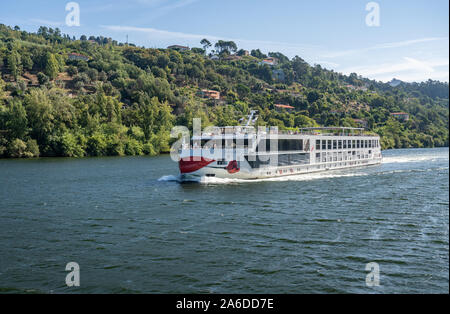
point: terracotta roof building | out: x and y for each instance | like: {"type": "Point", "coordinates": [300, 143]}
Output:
{"type": "Point", "coordinates": [211, 94]}
{"type": "Point", "coordinates": [280, 107]}
{"type": "Point", "coordinates": [269, 61]}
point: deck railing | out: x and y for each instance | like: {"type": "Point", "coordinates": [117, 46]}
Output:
{"type": "Point", "coordinates": [241, 130]}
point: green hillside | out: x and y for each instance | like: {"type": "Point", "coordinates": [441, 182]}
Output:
{"type": "Point", "coordinates": [93, 97]}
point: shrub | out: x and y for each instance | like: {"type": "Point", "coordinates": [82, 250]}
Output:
{"type": "Point", "coordinates": [133, 147]}
{"type": "Point", "coordinates": [148, 149]}
{"type": "Point", "coordinates": [17, 148]}
{"type": "Point", "coordinates": [96, 145]}
{"type": "Point", "coordinates": [42, 78]}
{"type": "Point", "coordinates": [71, 145]}
{"type": "Point", "coordinates": [72, 71]}
{"type": "Point", "coordinates": [33, 148]}
{"type": "Point", "coordinates": [115, 146]}
{"type": "Point", "coordinates": [20, 149]}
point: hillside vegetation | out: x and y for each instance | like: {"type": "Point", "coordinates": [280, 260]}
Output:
{"type": "Point", "coordinates": [124, 100]}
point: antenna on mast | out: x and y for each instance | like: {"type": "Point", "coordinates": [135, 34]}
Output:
{"type": "Point", "coordinates": [252, 120]}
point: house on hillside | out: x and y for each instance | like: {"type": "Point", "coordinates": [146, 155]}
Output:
{"type": "Point", "coordinates": [269, 61]}
{"type": "Point", "coordinates": [178, 47]}
{"type": "Point", "coordinates": [353, 87]}
{"type": "Point", "coordinates": [77, 56]}
{"type": "Point", "coordinates": [280, 107]}
{"type": "Point", "coordinates": [402, 116]}
{"type": "Point", "coordinates": [210, 94]}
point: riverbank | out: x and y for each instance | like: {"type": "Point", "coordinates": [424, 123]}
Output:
{"type": "Point", "coordinates": [164, 154]}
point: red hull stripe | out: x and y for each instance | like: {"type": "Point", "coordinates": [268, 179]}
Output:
{"type": "Point", "coordinates": [189, 164]}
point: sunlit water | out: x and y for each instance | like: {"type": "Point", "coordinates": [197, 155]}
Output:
{"type": "Point", "coordinates": [132, 226]}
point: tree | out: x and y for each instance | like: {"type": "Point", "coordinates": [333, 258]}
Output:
{"type": "Point", "coordinates": [2, 89]}
{"type": "Point", "coordinates": [163, 61]}
{"type": "Point", "coordinates": [27, 62]}
{"type": "Point", "coordinates": [51, 66]}
{"type": "Point", "coordinates": [225, 46]}
{"type": "Point", "coordinates": [19, 149]}
{"type": "Point", "coordinates": [14, 64]}
{"type": "Point", "coordinates": [40, 114]}
{"type": "Point", "coordinates": [279, 56]}
{"type": "Point", "coordinates": [205, 43]}
{"type": "Point", "coordinates": [241, 52]}
{"type": "Point", "coordinates": [243, 90]}
{"type": "Point", "coordinates": [257, 54]}
{"type": "Point", "coordinates": [32, 148]}
{"type": "Point", "coordinates": [148, 112]}
{"type": "Point", "coordinates": [42, 78]}
{"type": "Point", "coordinates": [300, 67]}
{"type": "Point", "coordinates": [71, 146]}
{"type": "Point", "coordinates": [96, 145]}
{"type": "Point", "coordinates": [313, 96]}
{"type": "Point", "coordinates": [72, 70]}
{"type": "Point", "coordinates": [198, 50]}
{"type": "Point", "coordinates": [17, 120]}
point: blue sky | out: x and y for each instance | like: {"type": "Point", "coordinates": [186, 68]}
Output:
{"type": "Point", "coordinates": [411, 43]}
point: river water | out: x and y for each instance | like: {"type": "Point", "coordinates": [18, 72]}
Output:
{"type": "Point", "coordinates": [134, 228]}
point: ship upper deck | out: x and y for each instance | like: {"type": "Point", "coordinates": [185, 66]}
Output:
{"type": "Point", "coordinates": [240, 131]}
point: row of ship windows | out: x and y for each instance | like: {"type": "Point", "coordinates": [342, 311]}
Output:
{"type": "Point", "coordinates": [260, 161]}
{"type": "Point", "coordinates": [311, 168]}
{"type": "Point", "coordinates": [339, 156]}
{"type": "Point", "coordinates": [346, 144]}
{"type": "Point", "coordinates": [290, 144]}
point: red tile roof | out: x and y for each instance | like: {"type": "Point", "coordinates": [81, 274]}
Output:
{"type": "Point", "coordinates": [283, 106]}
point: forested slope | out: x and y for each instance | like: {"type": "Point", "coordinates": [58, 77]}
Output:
{"type": "Point", "coordinates": [124, 100]}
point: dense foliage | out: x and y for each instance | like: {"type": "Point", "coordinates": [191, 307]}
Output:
{"type": "Point", "coordinates": [124, 100]}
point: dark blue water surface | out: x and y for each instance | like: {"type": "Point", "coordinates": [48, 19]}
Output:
{"type": "Point", "coordinates": [134, 228]}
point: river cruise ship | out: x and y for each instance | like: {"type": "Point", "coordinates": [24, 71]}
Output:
{"type": "Point", "coordinates": [242, 153]}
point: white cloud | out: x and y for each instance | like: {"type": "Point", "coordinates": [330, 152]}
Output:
{"type": "Point", "coordinates": [163, 35]}
{"type": "Point", "coordinates": [157, 33]}
{"type": "Point", "coordinates": [334, 54]}
{"type": "Point", "coordinates": [408, 69]}
{"type": "Point", "coordinates": [326, 63]}
{"type": "Point", "coordinates": [42, 22]}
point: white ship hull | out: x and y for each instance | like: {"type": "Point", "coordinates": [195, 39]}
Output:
{"type": "Point", "coordinates": [220, 172]}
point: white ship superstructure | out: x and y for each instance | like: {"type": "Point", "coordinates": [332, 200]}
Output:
{"type": "Point", "coordinates": [241, 152]}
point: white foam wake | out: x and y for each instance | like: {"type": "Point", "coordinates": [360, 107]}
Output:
{"type": "Point", "coordinates": [178, 178]}
{"type": "Point", "coordinates": [298, 177]}
{"type": "Point", "coordinates": [169, 178]}
{"type": "Point", "coordinates": [414, 158]}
